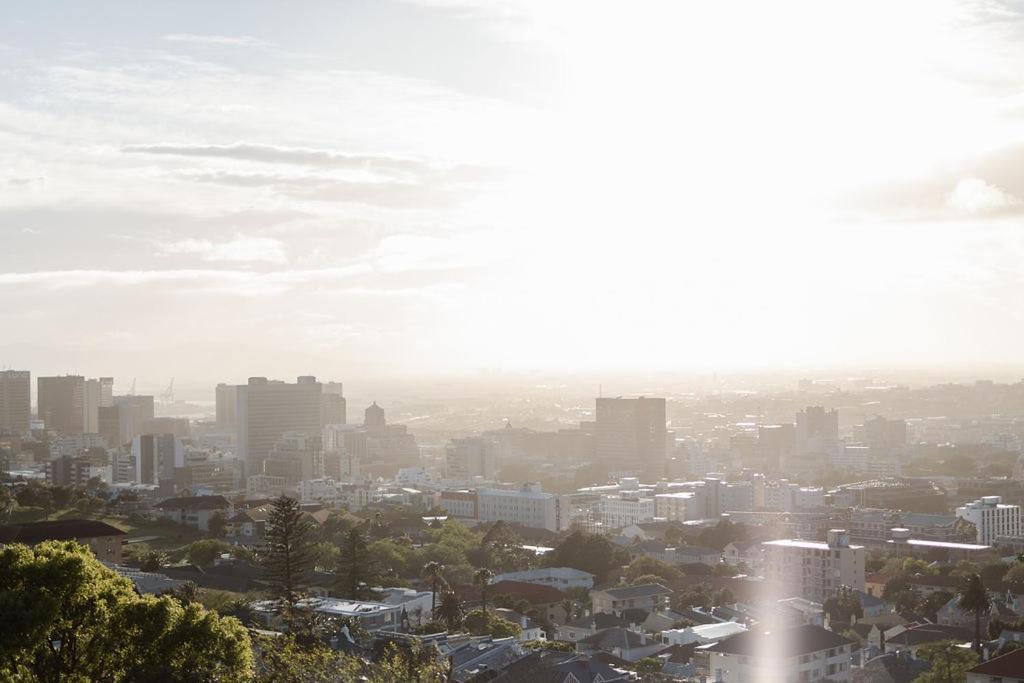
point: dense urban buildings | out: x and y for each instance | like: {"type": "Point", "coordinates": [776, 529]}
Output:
{"type": "Point", "coordinates": [15, 401]}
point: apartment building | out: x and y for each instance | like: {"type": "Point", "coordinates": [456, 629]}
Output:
{"type": "Point", "coordinates": [812, 569]}
{"type": "Point", "coordinates": [991, 517]}
{"type": "Point", "coordinates": [528, 506]}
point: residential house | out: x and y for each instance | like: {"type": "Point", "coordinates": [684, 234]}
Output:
{"type": "Point", "coordinates": [547, 600]}
{"type": "Point", "coordinates": [804, 653]}
{"type": "Point", "coordinates": [1008, 668]}
{"type": "Point", "coordinates": [585, 626]}
{"type": "Point", "coordinates": [652, 597]}
{"type": "Point", "coordinates": [195, 511]}
{"type": "Point", "coordinates": [748, 553]}
{"type": "Point", "coordinates": [531, 629]}
{"type": "Point", "coordinates": [913, 638]}
{"type": "Point", "coordinates": [621, 642]}
{"type": "Point", "coordinates": [103, 539]}
{"type": "Point", "coordinates": [702, 634]}
{"type": "Point", "coordinates": [561, 667]}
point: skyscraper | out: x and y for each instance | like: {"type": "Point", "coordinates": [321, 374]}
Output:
{"type": "Point", "coordinates": [133, 411]}
{"type": "Point", "coordinates": [817, 432]}
{"type": "Point", "coordinates": [630, 433]}
{"type": "Point", "coordinates": [266, 410]}
{"type": "Point", "coordinates": [62, 403]}
{"type": "Point", "coordinates": [15, 401]}
{"type": "Point", "coordinates": [373, 417]}
{"type": "Point", "coordinates": [227, 405]}
{"type": "Point", "coordinates": [334, 405]}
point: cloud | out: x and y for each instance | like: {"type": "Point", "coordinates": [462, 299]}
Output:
{"type": "Point", "coordinates": [241, 248]}
{"type": "Point", "coordinates": [207, 39]}
{"type": "Point", "coordinates": [288, 155]}
{"type": "Point", "coordinates": [974, 196]}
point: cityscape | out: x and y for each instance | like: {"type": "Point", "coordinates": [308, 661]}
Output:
{"type": "Point", "coordinates": [511, 341]}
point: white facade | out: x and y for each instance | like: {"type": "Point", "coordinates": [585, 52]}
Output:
{"type": "Point", "coordinates": [321, 490]}
{"type": "Point", "coordinates": [677, 507]}
{"type": "Point", "coordinates": [814, 570]}
{"type": "Point", "coordinates": [528, 506]}
{"type": "Point", "coordinates": [992, 518]}
{"type": "Point", "coordinates": [562, 578]}
{"type": "Point", "coordinates": [471, 457]}
{"type": "Point", "coordinates": [624, 510]}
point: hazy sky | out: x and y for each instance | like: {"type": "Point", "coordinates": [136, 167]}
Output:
{"type": "Point", "coordinates": [357, 187]}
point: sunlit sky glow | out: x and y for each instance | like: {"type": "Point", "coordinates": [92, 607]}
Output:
{"type": "Point", "coordinates": [358, 187]}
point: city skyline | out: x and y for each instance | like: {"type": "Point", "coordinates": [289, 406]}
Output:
{"type": "Point", "coordinates": [387, 188]}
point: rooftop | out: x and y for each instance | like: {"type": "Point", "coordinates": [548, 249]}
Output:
{"type": "Point", "coordinates": [1009, 665]}
{"type": "Point", "coordinates": [790, 642]}
{"type": "Point", "coordinates": [810, 545]}
{"type": "Point", "coordinates": [194, 503]}
{"type": "Point", "coordinates": [638, 591]}
{"type": "Point", "coordinates": [57, 530]}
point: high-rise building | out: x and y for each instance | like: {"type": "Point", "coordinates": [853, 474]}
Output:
{"type": "Point", "coordinates": [62, 403]}
{"type": "Point", "coordinates": [333, 406]}
{"type": "Point", "coordinates": [15, 401]}
{"type": "Point", "coordinates": [267, 410]}
{"type": "Point", "coordinates": [373, 417]}
{"type": "Point", "coordinates": [630, 433]}
{"type": "Point", "coordinates": [817, 432]}
{"type": "Point", "coordinates": [471, 457]}
{"type": "Point", "coordinates": [92, 398]}
{"type": "Point", "coordinates": [156, 457]}
{"type": "Point", "coordinates": [109, 418]}
{"type": "Point", "coordinates": [106, 392]}
{"type": "Point", "coordinates": [227, 403]}
{"type": "Point", "coordinates": [133, 413]}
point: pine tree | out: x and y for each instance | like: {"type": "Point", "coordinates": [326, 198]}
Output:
{"type": "Point", "coordinates": [357, 572]}
{"type": "Point", "coordinates": [290, 550]}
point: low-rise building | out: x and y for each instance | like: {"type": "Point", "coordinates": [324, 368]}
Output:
{"type": "Point", "coordinates": [802, 653]}
{"type": "Point", "coordinates": [528, 506]}
{"type": "Point", "coordinates": [103, 539]}
{"type": "Point", "coordinates": [652, 597]}
{"type": "Point", "coordinates": [1008, 668]}
{"type": "Point", "coordinates": [195, 511]}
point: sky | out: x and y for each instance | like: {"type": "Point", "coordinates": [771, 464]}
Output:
{"type": "Point", "coordinates": [382, 187]}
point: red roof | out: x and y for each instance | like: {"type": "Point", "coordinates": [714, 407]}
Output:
{"type": "Point", "coordinates": [1010, 665]}
{"type": "Point", "coordinates": [531, 592]}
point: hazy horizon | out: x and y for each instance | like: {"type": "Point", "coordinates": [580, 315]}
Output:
{"type": "Point", "coordinates": [442, 188]}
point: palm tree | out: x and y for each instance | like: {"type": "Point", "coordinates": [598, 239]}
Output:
{"type": "Point", "coordinates": [482, 578]}
{"type": "Point", "coordinates": [450, 610]}
{"type": "Point", "coordinates": [971, 596]}
{"type": "Point", "coordinates": [433, 571]}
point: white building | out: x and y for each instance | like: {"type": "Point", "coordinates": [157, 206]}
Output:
{"type": "Point", "coordinates": [680, 506]}
{"type": "Point", "coordinates": [321, 490]}
{"type": "Point", "coordinates": [625, 509]}
{"type": "Point", "coordinates": [992, 518]}
{"type": "Point", "coordinates": [562, 578]}
{"type": "Point", "coordinates": [814, 570]}
{"type": "Point", "coordinates": [702, 633]}
{"type": "Point", "coordinates": [803, 653]}
{"type": "Point", "coordinates": [418, 477]}
{"type": "Point", "coordinates": [528, 506]}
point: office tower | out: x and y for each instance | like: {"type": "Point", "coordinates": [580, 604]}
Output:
{"type": "Point", "coordinates": [345, 448]}
{"type": "Point", "coordinates": [62, 403]}
{"type": "Point", "coordinates": [106, 392]}
{"type": "Point", "coordinates": [92, 397]}
{"type": "Point", "coordinates": [817, 432]}
{"type": "Point", "coordinates": [227, 402]}
{"type": "Point", "coordinates": [882, 435]}
{"type": "Point", "coordinates": [471, 457]}
{"type": "Point", "coordinates": [267, 410]}
{"type": "Point", "coordinates": [133, 412]}
{"type": "Point", "coordinates": [630, 433]}
{"type": "Point", "coordinates": [373, 417]}
{"type": "Point", "coordinates": [15, 401]}
{"type": "Point", "coordinates": [296, 457]}
{"type": "Point", "coordinates": [109, 419]}
{"type": "Point", "coordinates": [814, 570]}
{"type": "Point", "coordinates": [775, 445]}
{"type": "Point", "coordinates": [334, 406]}
{"type": "Point", "coordinates": [156, 456]}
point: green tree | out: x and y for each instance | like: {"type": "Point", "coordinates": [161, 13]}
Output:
{"type": "Point", "coordinates": [591, 553]}
{"type": "Point", "coordinates": [289, 557]}
{"type": "Point", "coordinates": [972, 597]}
{"type": "Point", "coordinates": [433, 572]}
{"type": "Point", "coordinates": [652, 566]}
{"type": "Point", "coordinates": [649, 666]}
{"type": "Point", "coordinates": [357, 573]}
{"type": "Point", "coordinates": [152, 561]}
{"type": "Point", "coordinates": [203, 552]}
{"type": "Point", "coordinates": [842, 609]}
{"type": "Point", "coordinates": [450, 610]}
{"type": "Point", "coordinates": [480, 623]}
{"type": "Point", "coordinates": [482, 577]}
{"type": "Point", "coordinates": [949, 662]}
{"type": "Point", "coordinates": [66, 617]}
{"type": "Point", "coordinates": [217, 524]}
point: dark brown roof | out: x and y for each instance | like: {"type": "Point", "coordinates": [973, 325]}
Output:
{"type": "Point", "coordinates": [929, 633]}
{"type": "Point", "coordinates": [789, 642]}
{"type": "Point", "coordinates": [533, 593]}
{"type": "Point", "coordinates": [194, 503]}
{"type": "Point", "coordinates": [58, 530]}
{"type": "Point", "coordinates": [1010, 665]}
{"type": "Point", "coordinates": [642, 591]}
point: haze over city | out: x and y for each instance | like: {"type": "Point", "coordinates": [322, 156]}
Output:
{"type": "Point", "coordinates": [512, 341]}
{"type": "Point", "coordinates": [371, 188]}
